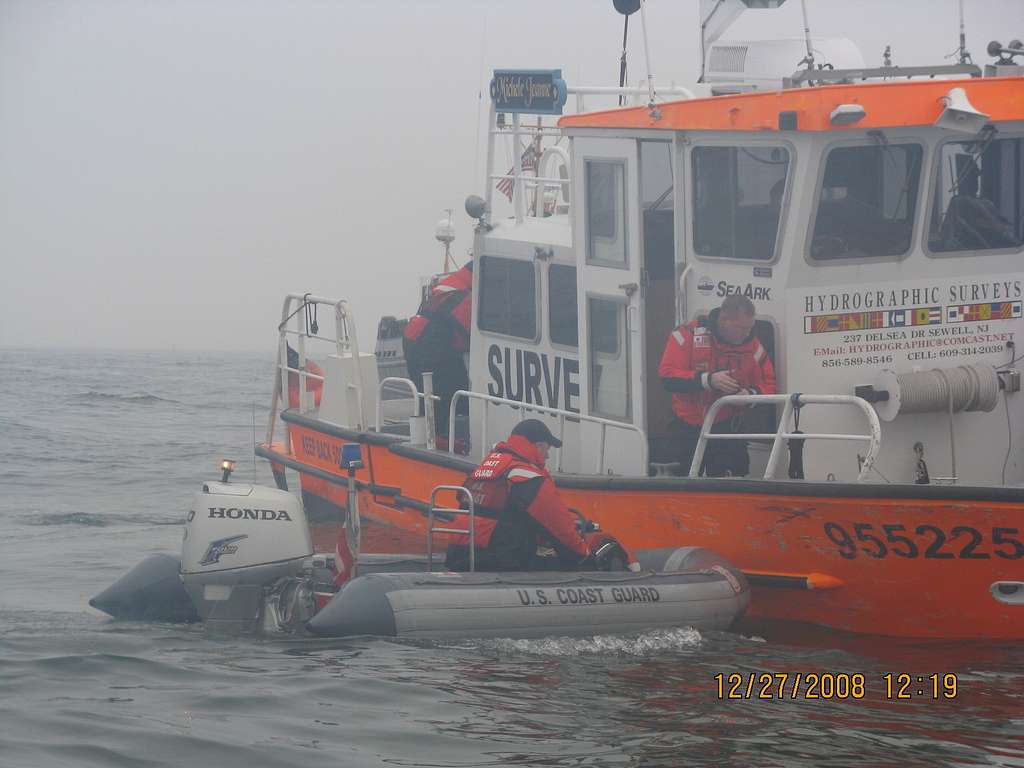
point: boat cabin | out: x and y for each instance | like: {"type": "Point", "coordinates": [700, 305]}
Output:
{"type": "Point", "coordinates": [876, 225]}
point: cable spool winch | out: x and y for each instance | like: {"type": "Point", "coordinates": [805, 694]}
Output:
{"type": "Point", "coordinates": [940, 390]}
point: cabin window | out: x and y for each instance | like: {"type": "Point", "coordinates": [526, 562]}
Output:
{"type": "Point", "coordinates": [562, 314]}
{"type": "Point", "coordinates": [606, 213]}
{"type": "Point", "coordinates": [508, 297]}
{"type": "Point", "coordinates": [978, 204]}
{"type": "Point", "coordinates": [609, 358]}
{"type": "Point", "coordinates": [867, 202]}
{"type": "Point", "coordinates": [737, 200]}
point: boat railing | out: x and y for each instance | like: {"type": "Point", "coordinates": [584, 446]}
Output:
{"type": "Point", "coordinates": [393, 384]}
{"type": "Point", "coordinates": [562, 415]}
{"type": "Point", "coordinates": [299, 325]}
{"type": "Point", "coordinates": [832, 76]}
{"type": "Point", "coordinates": [470, 530]}
{"type": "Point", "coordinates": [792, 403]}
{"type": "Point", "coordinates": [426, 433]}
{"type": "Point", "coordinates": [523, 135]}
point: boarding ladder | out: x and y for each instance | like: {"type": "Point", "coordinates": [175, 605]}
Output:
{"type": "Point", "coordinates": [299, 323]}
{"type": "Point", "coordinates": [791, 406]}
{"type": "Point", "coordinates": [470, 530]}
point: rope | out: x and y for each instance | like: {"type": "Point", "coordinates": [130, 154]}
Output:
{"type": "Point", "coordinates": [311, 324]}
{"type": "Point", "coordinates": [964, 388]}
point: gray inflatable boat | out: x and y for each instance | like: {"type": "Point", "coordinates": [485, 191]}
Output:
{"type": "Point", "coordinates": [676, 587]}
{"type": "Point", "coordinates": [248, 564]}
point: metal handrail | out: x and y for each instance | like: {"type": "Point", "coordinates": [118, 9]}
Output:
{"type": "Point", "coordinates": [541, 181]}
{"type": "Point", "coordinates": [520, 131]}
{"type": "Point", "coordinates": [628, 90]}
{"type": "Point", "coordinates": [790, 403]}
{"type": "Point", "coordinates": [416, 395]}
{"type": "Point", "coordinates": [431, 529]}
{"type": "Point", "coordinates": [887, 73]}
{"type": "Point", "coordinates": [560, 413]}
{"type": "Point", "coordinates": [345, 340]}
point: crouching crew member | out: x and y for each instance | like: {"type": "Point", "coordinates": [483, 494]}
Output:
{"type": "Point", "coordinates": [516, 504]}
{"type": "Point", "coordinates": [436, 339]}
{"type": "Point", "coordinates": [701, 363]}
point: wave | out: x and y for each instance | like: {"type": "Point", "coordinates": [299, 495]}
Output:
{"type": "Point", "coordinates": [142, 397]}
{"type": "Point", "coordinates": [646, 644]}
{"type": "Point", "coordinates": [221, 402]}
{"type": "Point", "coordinates": [93, 520]}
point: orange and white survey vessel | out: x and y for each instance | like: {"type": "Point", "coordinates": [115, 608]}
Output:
{"type": "Point", "coordinates": [874, 216]}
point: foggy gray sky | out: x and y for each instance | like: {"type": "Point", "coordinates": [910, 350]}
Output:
{"type": "Point", "coordinates": [169, 169]}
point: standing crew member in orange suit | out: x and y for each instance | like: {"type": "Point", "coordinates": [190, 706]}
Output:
{"type": "Point", "coordinates": [516, 502]}
{"type": "Point", "coordinates": [436, 339]}
{"type": "Point", "coordinates": [704, 362]}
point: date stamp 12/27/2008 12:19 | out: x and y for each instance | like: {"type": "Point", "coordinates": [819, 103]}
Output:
{"type": "Point", "coordinates": [779, 686]}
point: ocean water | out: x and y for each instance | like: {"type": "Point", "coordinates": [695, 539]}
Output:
{"type": "Point", "coordinates": [99, 455]}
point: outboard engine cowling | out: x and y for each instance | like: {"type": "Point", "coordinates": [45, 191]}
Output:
{"type": "Point", "coordinates": [239, 539]}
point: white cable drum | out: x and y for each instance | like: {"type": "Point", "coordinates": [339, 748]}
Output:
{"type": "Point", "coordinates": [972, 388]}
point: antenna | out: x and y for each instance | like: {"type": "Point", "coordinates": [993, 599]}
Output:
{"type": "Point", "coordinates": [627, 7]}
{"type": "Point", "coordinates": [647, 57]}
{"type": "Point", "coordinates": [480, 101]}
{"type": "Point", "coordinates": [622, 60]}
{"type": "Point", "coordinates": [965, 56]}
{"type": "Point", "coordinates": [809, 60]}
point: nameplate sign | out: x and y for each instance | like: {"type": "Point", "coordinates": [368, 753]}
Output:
{"type": "Point", "coordinates": [528, 91]}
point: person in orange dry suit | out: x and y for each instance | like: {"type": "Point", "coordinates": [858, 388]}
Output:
{"type": "Point", "coordinates": [701, 363]}
{"type": "Point", "coordinates": [436, 339]}
{"type": "Point", "coordinates": [517, 507]}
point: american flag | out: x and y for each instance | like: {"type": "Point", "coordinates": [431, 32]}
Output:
{"type": "Point", "coordinates": [527, 162]}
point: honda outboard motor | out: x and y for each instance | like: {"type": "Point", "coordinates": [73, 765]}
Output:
{"type": "Point", "coordinates": [239, 540]}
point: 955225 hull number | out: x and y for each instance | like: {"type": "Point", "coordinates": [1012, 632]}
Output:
{"type": "Point", "coordinates": [961, 542]}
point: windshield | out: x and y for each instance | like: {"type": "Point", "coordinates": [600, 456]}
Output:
{"type": "Point", "coordinates": [977, 201]}
{"type": "Point", "coordinates": [867, 201]}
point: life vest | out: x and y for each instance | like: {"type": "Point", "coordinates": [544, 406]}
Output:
{"type": "Point", "coordinates": [490, 484]}
{"type": "Point", "coordinates": [448, 304]}
{"type": "Point", "coordinates": [694, 351]}
{"type": "Point", "coordinates": [514, 464]}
